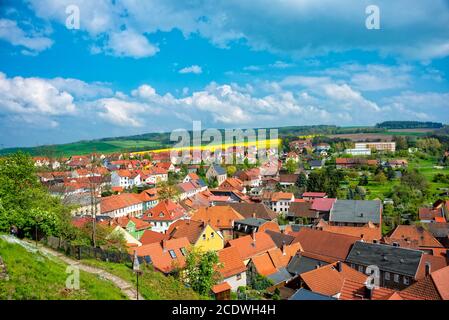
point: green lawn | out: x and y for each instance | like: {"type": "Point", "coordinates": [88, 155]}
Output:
{"type": "Point", "coordinates": [153, 285]}
{"type": "Point", "coordinates": [33, 276]}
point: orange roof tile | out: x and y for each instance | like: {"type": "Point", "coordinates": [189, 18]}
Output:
{"type": "Point", "coordinates": [221, 287]}
{"type": "Point", "coordinates": [115, 202]}
{"type": "Point", "coordinates": [416, 235]}
{"type": "Point", "coordinates": [150, 236]}
{"type": "Point", "coordinates": [328, 280]}
{"type": "Point", "coordinates": [165, 210]}
{"type": "Point", "coordinates": [231, 262]}
{"type": "Point", "coordinates": [220, 217]}
{"type": "Point", "coordinates": [249, 247]}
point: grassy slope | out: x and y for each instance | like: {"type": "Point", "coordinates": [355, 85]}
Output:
{"type": "Point", "coordinates": [35, 276]}
{"type": "Point", "coordinates": [153, 285]}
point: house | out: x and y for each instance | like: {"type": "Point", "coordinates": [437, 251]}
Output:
{"type": "Point", "coordinates": [191, 176]}
{"type": "Point", "coordinates": [232, 184]}
{"type": "Point", "coordinates": [125, 178]}
{"type": "Point", "coordinates": [231, 268]}
{"type": "Point", "coordinates": [307, 295]}
{"type": "Point", "coordinates": [412, 236]}
{"type": "Point", "coordinates": [149, 198]}
{"type": "Point", "coordinates": [165, 166]}
{"type": "Point", "coordinates": [84, 204]}
{"type": "Point", "coordinates": [316, 164]}
{"type": "Point", "coordinates": [369, 232]}
{"type": "Point", "coordinates": [398, 267]}
{"type": "Point", "coordinates": [218, 172]}
{"type": "Point", "coordinates": [154, 175]}
{"type": "Point", "coordinates": [434, 286]}
{"type": "Point", "coordinates": [249, 210]}
{"type": "Point", "coordinates": [300, 145]}
{"type": "Point", "coordinates": [348, 163]}
{"type": "Point", "coordinates": [397, 163]}
{"type": "Point", "coordinates": [329, 279]}
{"type": "Point", "coordinates": [41, 161]}
{"type": "Point", "coordinates": [322, 147]}
{"type": "Point", "coordinates": [166, 256]}
{"type": "Point", "coordinates": [250, 225]}
{"type": "Point", "coordinates": [356, 213]}
{"type": "Point", "coordinates": [434, 214]}
{"type": "Point", "coordinates": [125, 204]}
{"type": "Point", "coordinates": [280, 201]}
{"type": "Point", "coordinates": [354, 290]}
{"type": "Point", "coordinates": [250, 178]}
{"type": "Point", "coordinates": [219, 217]}
{"type": "Point", "coordinates": [272, 264]}
{"type": "Point", "coordinates": [164, 214]}
{"type": "Point", "coordinates": [440, 231]}
{"type": "Point", "coordinates": [302, 209]}
{"type": "Point", "coordinates": [136, 227]}
{"type": "Point", "coordinates": [286, 180]}
{"type": "Point", "coordinates": [378, 146]}
{"type": "Point", "coordinates": [323, 206]}
{"type": "Point", "coordinates": [201, 235]}
{"type": "Point", "coordinates": [190, 188]}
{"type": "Point", "coordinates": [358, 152]}
{"type": "Point", "coordinates": [323, 245]}
{"type": "Point", "coordinates": [252, 245]}
{"type": "Point", "coordinates": [313, 195]}
{"type": "Point", "coordinates": [150, 236]}
{"type": "Point", "coordinates": [230, 195]}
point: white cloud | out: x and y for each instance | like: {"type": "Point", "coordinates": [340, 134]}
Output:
{"type": "Point", "coordinates": [128, 43]}
{"type": "Point", "coordinates": [195, 69]}
{"type": "Point", "coordinates": [298, 28]}
{"type": "Point", "coordinates": [120, 112]}
{"type": "Point", "coordinates": [33, 42]}
{"type": "Point", "coordinates": [33, 96]}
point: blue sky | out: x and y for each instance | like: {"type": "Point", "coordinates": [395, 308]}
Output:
{"type": "Point", "coordinates": [142, 66]}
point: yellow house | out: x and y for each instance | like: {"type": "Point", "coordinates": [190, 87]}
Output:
{"type": "Point", "coordinates": [201, 235]}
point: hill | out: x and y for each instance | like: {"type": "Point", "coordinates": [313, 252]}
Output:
{"type": "Point", "coordinates": [33, 275]}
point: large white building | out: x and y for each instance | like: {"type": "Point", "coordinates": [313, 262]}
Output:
{"type": "Point", "coordinates": [125, 179]}
{"type": "Point", "coordinates": [378, 146]}
{"type": "Point", "coordinates": [358, 152]}
{"type": "Point", "coordinates": [122, 205]}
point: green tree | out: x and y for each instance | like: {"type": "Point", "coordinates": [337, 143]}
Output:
{"type": "Point", "coordinates": [291, 166]}
{"type": "Point", "coordinates": [201, 271]}
{"type": "Point", "coordinates": [301, 182]}
{"type": "Point", "coordinates": [363, 181]}
{"type": "Point", "coordinates": [380, 177]}
{"type": "Point", "coordinates": [167, 191]}
{"type": "Point", "coordinates": [231, 170]}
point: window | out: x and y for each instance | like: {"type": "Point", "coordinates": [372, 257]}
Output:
{"type": "Point", "coordinates": [387, 276]}
{"type": "Point", "coordinates": [183, 251]}
{"type": "Point", "coordinates": [212, 235]}
{"type": "Point", "coordinates": [396, 278]}
{"type": "Point", "coordinates": [239, 276]}
{"type": "Point", "coordinates": [360, 268]}
{"type": "Point", "coordinates": [204, 236]}
{"type": "Point", "coordinates": [406, 281]}
{"type": "Point", "coordinates": [172, 254]}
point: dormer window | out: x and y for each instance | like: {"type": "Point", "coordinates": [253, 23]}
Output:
{"type": "Point", "coordinates": [172, 254]}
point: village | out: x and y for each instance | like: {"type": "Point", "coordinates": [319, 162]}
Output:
{"type": "Point", "coordinates": [299, 226]}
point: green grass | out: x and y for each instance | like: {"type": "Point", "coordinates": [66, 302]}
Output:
{"type": "Point", "coordinates": [33, 276]}
{"type": "Point", "coordinates": [153, 285]}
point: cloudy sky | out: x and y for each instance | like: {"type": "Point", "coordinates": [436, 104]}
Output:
{"type": "Point", "coordinates": [156, 65]}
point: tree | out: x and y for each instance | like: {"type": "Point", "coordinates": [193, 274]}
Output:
{"type": "Point", "coordinates": [291, 166]}
{"type": "Point", "coordinates": [167, 191]}
{"type": "Point", "coordinates": [301, 182]}
{"type": "Point", "coordinates": [26, 203]}
{"type": "Point", "coordinates": [231, 170]}
{"type": "Point", "coordinates": [363, 181]}
{"type": "Point", "coordinates": [201, 271]}
{"type": "Point", "coordinates": [380, 177]}
{"type": "Point", "coordinates": [413, 179]}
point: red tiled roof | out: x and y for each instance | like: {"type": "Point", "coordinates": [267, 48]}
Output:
{"type": "Point", "coordinates": [219, 217]}
{"type": "Point", "coordinates": [367, 233]}
{"type": "Point", "coordinates": [231, 262]}
{"type": "Point", "coordinates": [328, 280]}
{"type": "Point", "coordinates": [165, 210]}
{"type": "Point", "coordinates": [115, 202]}
{"type": "Point", "coordinates": [150, 236]}
{"type": "Point", "coordinates": [416, 235]}
{"type": "Point", "coordinates": [221, 287]}
{"type": "Point", "coordinates": [322, 204]}
{"type": "Point", "coordinates": [249, 248]}
{"type": "Point", "coordinates": [314, 194]}
{"type": "Point", "coordinates": [324, 243]}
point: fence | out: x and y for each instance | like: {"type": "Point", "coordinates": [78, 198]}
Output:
{"type": "Point", "coordinates": [86, 252]}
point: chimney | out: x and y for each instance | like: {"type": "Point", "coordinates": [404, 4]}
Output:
{"type": "Point", "coordinates": [253, 236]}
{"type": "Point", "coordinates": [339, 267]}
{"type": "Point", "coordinates": [164, 244]}
{"type": "Point", "coordinates": [284, 251]}
{"type": "Point", "coordinates": [368, 294]}
{"type": "Point", "coordinates": [428, 268]}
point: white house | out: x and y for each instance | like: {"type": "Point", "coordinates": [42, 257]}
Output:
{"type": "Point", "coordinates": [125, 179]}
{"type": "Point", "coordinates": [122, 205]}
{"type": "Point", "coordinates": [280, 201]}
{"type": "Point", "coordinates": [233, 269]}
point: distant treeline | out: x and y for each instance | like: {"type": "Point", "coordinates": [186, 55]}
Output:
{"type": "Point", "coordinates": [408, 125]}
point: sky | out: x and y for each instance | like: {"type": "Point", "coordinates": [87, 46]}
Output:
{"type": "Point", "coordinates": [132, 67]}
